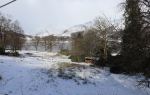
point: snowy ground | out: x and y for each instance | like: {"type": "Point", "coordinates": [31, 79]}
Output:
{"type": "Point", "coordinates": [42, 73]}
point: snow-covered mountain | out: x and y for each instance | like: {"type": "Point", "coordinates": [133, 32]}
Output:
{"type": "Point", "coordinates": [77, 28]}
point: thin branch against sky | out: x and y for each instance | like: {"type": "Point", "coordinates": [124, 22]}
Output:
{"type": "Point", "coordinates": [7, 3]}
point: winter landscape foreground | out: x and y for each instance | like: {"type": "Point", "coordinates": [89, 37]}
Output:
{"type": "Point", "coordinates": [42, 73]}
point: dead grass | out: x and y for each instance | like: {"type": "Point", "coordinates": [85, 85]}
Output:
{"type": "Point", "coordinates": [70, 66]}
{"type": "Point", "coordinates": [68, 71]}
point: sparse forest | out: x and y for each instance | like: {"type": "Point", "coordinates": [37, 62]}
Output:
{"type": "Point", "coordinates": [11, 35]}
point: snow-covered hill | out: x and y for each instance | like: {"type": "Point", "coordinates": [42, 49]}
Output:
{"type": "Point", "coordinates": [77, 28]}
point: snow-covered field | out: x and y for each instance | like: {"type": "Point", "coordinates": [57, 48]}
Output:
{"type": "Point", "coordinates": [42, 73]}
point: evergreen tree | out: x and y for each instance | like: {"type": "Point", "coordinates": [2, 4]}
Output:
{"type": "Point", "coordinates": [132, 47]}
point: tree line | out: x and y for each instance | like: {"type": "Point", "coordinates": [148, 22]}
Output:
{"type": "Point", "coordinates": [11, 35]}
{"type": "Point", "coordinates": [48, 42]}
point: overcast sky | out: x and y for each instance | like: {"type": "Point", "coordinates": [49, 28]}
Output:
{"type": "Point", "coordinates": [57, 15]}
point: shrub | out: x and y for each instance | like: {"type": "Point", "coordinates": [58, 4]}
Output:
{"type": "Point", "coordinates": [116, 69]}
{"type": "Point", "coordinates": [146, 68]}
{"type": "Point", "coordinates": [65, 52]}
{"type": "Point", "coordinates": [100, 63]}
{"type": "Point", "coordinates": [2, 50]}
{"type": "Point", "coordinates": [116, 64]}
{"type": "Point", "coordinates": [1, 78]}
{"type": "Point", "coordinates": [16, 54]}
{"type": "Point", "coordinates": [79, 58]}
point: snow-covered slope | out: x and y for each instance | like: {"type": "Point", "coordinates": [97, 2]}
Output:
{"type": "Point", "coordinates": [42, 73]}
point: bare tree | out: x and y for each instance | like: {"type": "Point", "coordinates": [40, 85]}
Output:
{"type": "Point", "coordinates": [36, 41]}
{"type": "Point", "coordinates": [50, 42]}
{"type": "Point", "coordinates": [45, 40]}
{"type": "Point", "coordinates": [109, 36]}
{"type": "Point", "coordinates": [102, 26]}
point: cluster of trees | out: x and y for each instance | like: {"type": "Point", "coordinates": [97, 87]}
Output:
{"type": "Point", "coordinates": [132, 44]}
{"type": "Point", "coordinates": [98, 40]}
{"type": "Point", "coordinates": [11, 34]}
{"type": "Point", "coordinates": [48, 42]}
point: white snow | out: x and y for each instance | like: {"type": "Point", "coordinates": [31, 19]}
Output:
{"type": "Point", "coordinates": [36, 73]}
